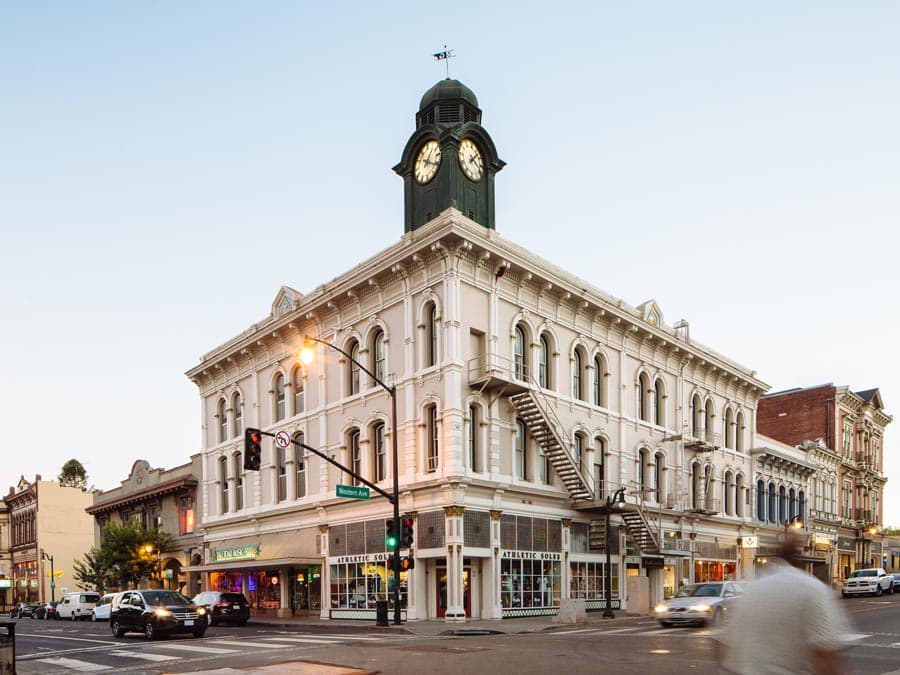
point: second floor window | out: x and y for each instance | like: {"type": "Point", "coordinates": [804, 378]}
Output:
{"type": "Point", "coordinates": [300, 467]}
{"type": "Point", "coordinates": [378, 355]}
{"type": "Point", "coordinates": [282, 474]}
{"type": "Point", "coordinates": [380, 454]}
{"type": "Point", "coordinates": [355, 458]}
{"type": "Point", "coordinates": [299, 393]}
{"type": "Point", "coordinates": [279, 397]}
{"type": "Point", "coordinates": [238, 482]}
{"type": "Point", "coordinates": [431, 437]}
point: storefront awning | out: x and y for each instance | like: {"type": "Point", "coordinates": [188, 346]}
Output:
{"type": "Point", "coordinates": [254, 564]}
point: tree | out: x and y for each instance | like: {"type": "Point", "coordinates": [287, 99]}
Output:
{"type": "Point", "coordinates": [73, 474]}
{"type": "Point", "coordinates": [130, 552]}
{"type": "Point", "coordinates": [91, 573]}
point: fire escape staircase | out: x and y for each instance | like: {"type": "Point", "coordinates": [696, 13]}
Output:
{"type": "Point", "coordinates": [545, 428]}
{"type": "Point", "coordinates": [642, 533]}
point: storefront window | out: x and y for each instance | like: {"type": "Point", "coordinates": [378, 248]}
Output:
{"type": "Point", "coordinates": [529, 583]}
{"type": "Point", "coordinates": [361, 585]}
{"type": "Point", "coordinates": [588, 580]}
{"type": "Point", "coordinates": [714, 570]}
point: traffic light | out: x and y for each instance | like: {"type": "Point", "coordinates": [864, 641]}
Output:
{"type": "Point", "coordinates": [391, 539]}
{"type": "Point", "coordinates": [252, 449]}
{"type": "Point", "coordinates": [407, 563]}
{"type": "Point", "coordinates": [406, 531]}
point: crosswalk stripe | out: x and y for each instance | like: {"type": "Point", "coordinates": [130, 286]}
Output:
{"type": "Point", "coordinates": [317, 641]}
{"type": "Point", "coordinates": [205, 648]}
{"type": "Point", "coordinates": [146, 656]}
{"type": "Point", "coordinates": [633, 629]}
{"type": "Point", "coordinates": [247, 644]}
{"type": "Point", "coordinates": [75, 664]}
{"type": "Point", "coordinates": [329, 636]}
{"type": "Point", "coordinates": [571, 632]}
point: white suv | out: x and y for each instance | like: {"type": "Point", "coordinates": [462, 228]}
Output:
{"type": "Point", "coordinates": [875, 581]}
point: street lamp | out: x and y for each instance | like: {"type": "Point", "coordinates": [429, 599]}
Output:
{"type": "Point", "coordinates": [616, 498]}
{"type": "Point", "coordinates": [45, 556]}
{"type": "Point", "coordinates": [148, 549]}
{"type": "Point", "coordinates": [306, 356]}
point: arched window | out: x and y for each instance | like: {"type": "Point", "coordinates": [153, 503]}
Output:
{"type": "Point", "coordinates": [280, 458]}
{"type": "Point", "coordinates": [521, 362]}
{"type": "Point", "coordinates": [378, 355]}
{"type": "Point", "coordinates": [355, 457]}
{"type": "Point", "coordinates": [710, 416]}
{"type": "Point", "coordinates": [543, 467]}
{"type": "Point", "coordinates": [729, 428]}
{"type": "Point", "coordinates": [772, 515]}
{"type": "Point", "coordinates": [739, 432]}
{"type": "Point", "coordinates": [237, 414]}
{"type": "Point", "coordinates": [299, 393]}
{"type": "Point", "coordinates": [761, 501]}
{"type": "Point", "coordinates": [739, 495]}
{"type": "Point", "coordinates": [782, 505]}
{"type": "Point", "coordinates": [578, 375]}
{"type": "Point", "coordinates": [792, 505]}
{"type": "Point", "coordinates": [431, 335]}
{"type": "Point", "coordinates": [520, 443]}
{"type": "Point", "coordinates": [238, 465]}
{"type": "Point", "coordinates": [299, 468]}
{"type": "Point", "coordinates": [643, 397]}
{"type": "Point", "coordinates": [544, 362]}
{"type": "Point", "coordinates": [801, 506]}
{"type": "Point", "coordinates": [279, 397]}
{"type": "Point", "coordinates": [599, 467]}
{"type": "Point", "coordinates": [223, 484]}
{"type": "Point", "coordinates": [659, 397]}
{"type": "Point", "coordinates": [599, 382]}
{"type": "Point", "coordinates": [222, 414]}
{"type": "Point", "coordinates": [696, 417]}
{"type": "Point", "coordinates": [353, 368]}
{"type": "Point", "coordinates": [431, 440]}
{"type": "Point", "coordinates": [696, 478]}
{"type": "Point", "coordinates": [659, 478]}
{"type": "Point", "coordinates": [578, 451]}
{"type": "Point", "coordinates": [474, 431]}
{"type": "Point", "coordinates": [379, 452]}
{"type": "Point", "coordinates": [729, 493]}
{"type": "Point", "coordinates": [644, 471]}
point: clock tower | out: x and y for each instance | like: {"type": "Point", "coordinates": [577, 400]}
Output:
{"type": "Point", "coordinates": [450, 160]}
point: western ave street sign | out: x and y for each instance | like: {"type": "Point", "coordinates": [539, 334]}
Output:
{"type": "Point", "coordinates": [351, 491]}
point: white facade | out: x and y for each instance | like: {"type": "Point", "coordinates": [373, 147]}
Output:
{"type": "Point", "coordinates": [489, 347]}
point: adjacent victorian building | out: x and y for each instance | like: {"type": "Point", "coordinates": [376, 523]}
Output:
{"type": "Point", "coordinates": [166, 499]}
{"type": "Point", "coordinates": [530, 405]}
{"type": "Point", "coordinates": [847, 430]}
{"type": "Point", "coordinates": [47, 521]}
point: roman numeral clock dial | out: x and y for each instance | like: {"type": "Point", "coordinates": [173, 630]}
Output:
{"type": "Point", "coordinates": [428, 161]}
{"type": "Point", "coordinates": [470, 160]}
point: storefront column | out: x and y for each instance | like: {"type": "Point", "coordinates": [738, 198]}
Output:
{"type": "Point", "coordinates": [454, 528]}
{"type": "Point", "coordinates": [284, 581]}
{"type": "Point", "coordinates": [565, 572]}
{"type": "Point", "coordinates": [494, 607]}
{"type": "Point", "coordinates": [325, 585]}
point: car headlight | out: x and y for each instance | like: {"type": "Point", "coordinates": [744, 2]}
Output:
{"type": "Point", "coordinates": [162, 612]}
{"type": "Point", "coordinates": [661, 609]}
{"type": "Point", "coordinates": [201, 611]}
{"type": "Point", "coordinates": [701, 608]}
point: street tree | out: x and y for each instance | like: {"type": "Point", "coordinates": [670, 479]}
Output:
{"type": "Point", "coordinates": [129, 551]}
{"type": "Point", "coordinates": [73, 474]}
{"type": "Point", "coordinates": [91, 573]}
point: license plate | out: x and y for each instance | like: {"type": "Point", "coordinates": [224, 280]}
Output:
{"type": "Point", "coordinates": [236, 606]}
{"type": "Point", "coordinates": [189, 622]}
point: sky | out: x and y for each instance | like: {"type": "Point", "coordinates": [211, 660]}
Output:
{"type": "Point", "coordinates": [165, 167]}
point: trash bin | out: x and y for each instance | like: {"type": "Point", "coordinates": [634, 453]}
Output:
{"type": "Point", "coordinates": [8, 647]}
{"type": "Point", "coordinates": [381, 613]}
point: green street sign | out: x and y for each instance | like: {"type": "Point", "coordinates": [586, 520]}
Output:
{"type": "Point", "coordinates": [352, 491]}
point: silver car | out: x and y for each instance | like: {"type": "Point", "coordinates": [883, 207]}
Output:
{"type": "Point", "coordinates": [699, 604]}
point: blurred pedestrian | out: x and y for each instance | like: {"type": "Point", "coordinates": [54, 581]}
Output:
{"type": "Point", "coordinates": [787, 622]}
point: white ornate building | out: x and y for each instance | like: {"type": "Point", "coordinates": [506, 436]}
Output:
{"type": "Point", "coordinates": [526, 399]}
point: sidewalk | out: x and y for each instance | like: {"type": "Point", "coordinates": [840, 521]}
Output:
{"type": "Point", "coordinates": [435, 627]}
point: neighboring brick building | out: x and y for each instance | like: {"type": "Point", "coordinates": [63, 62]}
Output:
{"type": "Point", "coordinates": [852, 424]}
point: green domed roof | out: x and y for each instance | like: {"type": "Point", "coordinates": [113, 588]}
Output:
{"type": "Point", "coordinates": [448, 90]}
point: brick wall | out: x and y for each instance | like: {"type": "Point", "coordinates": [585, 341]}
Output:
{"type": "Point", "coordinates": [797, 416]}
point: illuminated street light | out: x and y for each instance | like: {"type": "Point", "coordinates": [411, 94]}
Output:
{"type": "Point", "coordinates": [617, 498]}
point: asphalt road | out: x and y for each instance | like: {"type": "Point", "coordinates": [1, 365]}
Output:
{"type": "Point", "coordinates": [640, 647]}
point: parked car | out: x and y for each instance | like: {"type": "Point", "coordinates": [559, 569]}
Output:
{"type": "Point", "coordinates": [77, 606]}
{"type": "Point", "coordinates": [896, 584]}
{"type": "Point", "coordinates": [156, 613]}
{"type": "Point", "coordinates": [873, 581]}
{"type": "Point", "coordinates": [101, 610]}
{"type": "Point", "coordinates": [47, 611]}
{"type": "Point", "coordinates": [699, 604]}
{"type": "Point", "coordinates": [224, 607]}
{"type": "Point", "coordinates": [22, 610]}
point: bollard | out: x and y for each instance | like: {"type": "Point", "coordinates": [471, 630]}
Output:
{"type": "Point", "coordinates": [8, 647]}
{"type": "Point", "coordinates": [381, 613]}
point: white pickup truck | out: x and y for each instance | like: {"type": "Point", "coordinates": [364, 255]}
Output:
{"type": "Point", "coordinates": [874, 581]}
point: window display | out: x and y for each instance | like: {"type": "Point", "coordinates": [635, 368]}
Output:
{"type": "Point", "coordinates": [529, 583]}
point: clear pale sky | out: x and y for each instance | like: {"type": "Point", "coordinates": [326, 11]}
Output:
{"type": "Point", "coordinates": [165, 167]}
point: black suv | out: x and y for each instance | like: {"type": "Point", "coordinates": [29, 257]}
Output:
{"type": "Point", "coordinates": [221, 607]}
{"type": "Point", "coordinates": [156, 613]}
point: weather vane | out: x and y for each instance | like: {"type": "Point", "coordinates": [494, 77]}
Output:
{"type": "Point", "coordinates": [445, 56]}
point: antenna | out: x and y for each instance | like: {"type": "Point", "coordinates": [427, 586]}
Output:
{"type": "Point", "coordinates": [445, 56]}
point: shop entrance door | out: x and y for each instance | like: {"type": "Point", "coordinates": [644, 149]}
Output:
{"type": "Point", "coordinates": [306, 591]}
{"type": "Point", "coordinates": [441, 578]}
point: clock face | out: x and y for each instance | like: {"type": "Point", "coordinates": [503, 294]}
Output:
{"type": "Point", "coordinates": [470, 160]}
{"type": "Point", "coordinates": [428, 161]}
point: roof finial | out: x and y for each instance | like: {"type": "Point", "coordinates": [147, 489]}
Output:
{"type": "Point", "coordinates": [445, 56]}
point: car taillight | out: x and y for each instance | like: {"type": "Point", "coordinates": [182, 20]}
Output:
{"type": "Point", "coordinates": [222, 603]}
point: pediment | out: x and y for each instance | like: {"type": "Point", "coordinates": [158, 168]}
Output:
{"type": "Point", "coordinates": [286, 301]}
{"type": "Point", "coordinates": [651, 313]}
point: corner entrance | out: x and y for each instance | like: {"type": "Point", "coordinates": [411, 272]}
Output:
{"type": "Point", "coordinates": [441, 580]}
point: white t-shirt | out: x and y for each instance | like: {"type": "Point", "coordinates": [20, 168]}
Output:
{"type": "Point", "coordinates": [774, 625]}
